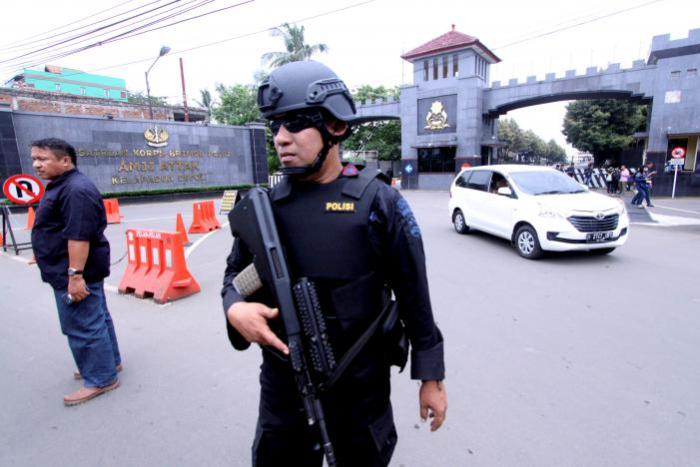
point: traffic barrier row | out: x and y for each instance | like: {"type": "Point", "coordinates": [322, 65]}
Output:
{"type": "Point", "coordinates": [112, 210]}
{"type": "Point", "coordinates": [203, 218]}
{"type": "Point", "coordinates": [157, 266]}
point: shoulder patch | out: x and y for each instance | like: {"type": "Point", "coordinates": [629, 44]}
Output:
{"type": "Point", "coordinates": [350, 170]}
{"type": "Point", "coordinates": [407, 215]}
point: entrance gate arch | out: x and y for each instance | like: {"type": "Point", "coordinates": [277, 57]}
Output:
{"type": "Point", "coordinates": [450, 108]}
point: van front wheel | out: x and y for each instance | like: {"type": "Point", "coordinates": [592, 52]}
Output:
{"type": "Point", "coordinates": [526, 243]}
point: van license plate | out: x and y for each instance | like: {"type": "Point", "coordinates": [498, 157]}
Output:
{"type": "Point", "coordinates": [599, 236]}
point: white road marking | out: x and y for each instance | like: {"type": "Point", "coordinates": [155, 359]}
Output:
{"type": "Point", "coordinates": [20, 259]}
{"type": "Point", "coordinates": [670, 221]}
{"type": "Point", "coordinates": [189, 250]}
{"type": "Point", "coordinates": [676, 209]}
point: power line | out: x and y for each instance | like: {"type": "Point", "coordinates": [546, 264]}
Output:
{"type": "Point", "coordinates": [88, 33]}
{"type": "Point", "coordinates": [136, 31]}
{"type": "Point", "coordinates": [131, 32]}
{"type": "Point", "coordinates": [241, 36]}
{"type": "Point", "coordinates": [37, 36]}
{"type": "Point", "coordinates": [554, 31]}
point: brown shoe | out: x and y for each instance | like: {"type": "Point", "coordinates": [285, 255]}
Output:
{"type": "Point", "coordinates": [78, 376]}
{"type": "Point", "coordinates": [85, 394]}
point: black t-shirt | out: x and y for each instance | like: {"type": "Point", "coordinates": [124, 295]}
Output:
{"type": "Point", "coordinates": [71, 209]}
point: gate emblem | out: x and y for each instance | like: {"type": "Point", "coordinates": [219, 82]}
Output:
{"type": "Point", "coordinates": [437, 117]}
{"type": "Point", "coordinates": [156, 137]}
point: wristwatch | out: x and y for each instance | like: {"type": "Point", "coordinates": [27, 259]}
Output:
{"type": "Point", "coordinates": [74, 272]}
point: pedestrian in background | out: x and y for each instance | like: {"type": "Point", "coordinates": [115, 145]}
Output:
{"type": "Point", "coordinates": [640, 181]}
{"type": "Point", "coordinates": [73, 256]}
{"type": "Point", "coordinates": [630, 181]}
{"type": "Point", "coordinates": [588, 174]}
{"type": "Point", "coordinates": [650, 175]}
{"type": "Point", "coordinates": [609, 180]}
{"type": "Point", "coordinates": [624, 179]}
{"type": "Point", "coordinates": [615, 180]}
{"type": "Point", "coordinates": [570, 170]}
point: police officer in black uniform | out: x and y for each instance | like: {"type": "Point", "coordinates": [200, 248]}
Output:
{"type": "Point", "coordinates": [356, 238]}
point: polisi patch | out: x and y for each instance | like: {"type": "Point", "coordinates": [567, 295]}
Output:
{"type": "Point", "coordinates": [340, 206]}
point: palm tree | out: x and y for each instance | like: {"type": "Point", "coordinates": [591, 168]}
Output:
{"type": "Point", "coordinates": [205, 101]}
{"type": "Point", "coordinates": [297, 49]}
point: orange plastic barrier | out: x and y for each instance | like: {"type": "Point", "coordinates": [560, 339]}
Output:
{"type": "Point", "coordinates": [157, 266]}
{"type": "Point", "coordinates": [31, 215]}
{"type": "Point", "coordinates": [203, 218]}
{"type": "Point", "coordinates": [180, 227]}
{"type": "Point", "coordinates": [112, 210]}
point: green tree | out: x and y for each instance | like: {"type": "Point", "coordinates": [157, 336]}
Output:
{"type": "Point", "coordinates": [205, 101]}
{"type": "Point", "coordinates": [603, 127]}
{"type": "Point", "coordinates": [381, 136]}
{"type": "Point", "coordinates": [554, 152]}
{"type": "Point", "coordinates": [237, 104]}
{"type": "Point", "coordinates": [296, 48]}
{"type": "Point", "coordinates": [518, 140]}
{"type": "Point", "coordinates": [138, 97]}
{"type": "Point", "coordinates": [509, 132]}
{"type": "Point", "coordinates": [367, 93]}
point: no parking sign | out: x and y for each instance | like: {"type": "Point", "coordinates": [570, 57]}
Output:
{"type": "Point", "coordinates": [23, 189]}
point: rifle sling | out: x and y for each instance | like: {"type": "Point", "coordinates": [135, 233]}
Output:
{"type": "Point", "coordinates": [359, 344]}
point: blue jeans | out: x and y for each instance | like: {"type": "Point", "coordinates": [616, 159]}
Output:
{"type": "Point", "coordinates": [642, 194]}
{"type": "Point", "coordinates": [91, 337]}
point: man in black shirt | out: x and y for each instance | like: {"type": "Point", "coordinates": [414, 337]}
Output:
{"type": "Point", "coordinates": [73, 256]}
{"type": "Point", "coordinates": [357, 240]}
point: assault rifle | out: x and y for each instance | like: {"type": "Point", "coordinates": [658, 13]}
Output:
{"type": "Point", "coordinates": [253, 223]}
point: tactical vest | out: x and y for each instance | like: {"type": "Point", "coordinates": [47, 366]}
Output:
{"type": "Point", "coordinates": [325, 231]}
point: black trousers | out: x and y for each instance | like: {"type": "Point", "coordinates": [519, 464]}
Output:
{"type": "Point", "coordinates": [357, 411]}
{"type": "Point", "coordinates": [367, 445]}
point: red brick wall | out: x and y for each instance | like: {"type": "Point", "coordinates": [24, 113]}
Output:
{"type": "Point", "coordinates": [33, 105]}
{"type": "Point", "coordinates": [52, 102]}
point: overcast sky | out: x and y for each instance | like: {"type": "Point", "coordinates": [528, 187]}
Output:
{"type": "Point", "coordinates": [365, 40]}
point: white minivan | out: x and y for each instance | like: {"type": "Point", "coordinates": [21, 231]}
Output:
{"type": "Point", "coordinates": [536, 208]}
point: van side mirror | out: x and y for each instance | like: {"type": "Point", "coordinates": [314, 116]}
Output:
{"type": "Point", "coordinates": [505, 191]}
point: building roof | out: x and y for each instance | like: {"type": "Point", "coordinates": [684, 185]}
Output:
{"type": "Point", "coordinates": [452, 40]}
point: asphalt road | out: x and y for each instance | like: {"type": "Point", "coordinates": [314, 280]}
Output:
{"type": "Point", "coordinates": [573, 360]}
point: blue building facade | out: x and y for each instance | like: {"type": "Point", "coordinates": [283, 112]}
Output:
{"type": "Point", "coordinates": [67, 81]}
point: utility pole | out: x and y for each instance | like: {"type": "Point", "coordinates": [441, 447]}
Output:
{"type": "Point", "coordinates": [184, 93]}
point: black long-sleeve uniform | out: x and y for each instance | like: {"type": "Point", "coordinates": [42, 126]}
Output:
{"type": "Point", "coordinates": [357, 239]}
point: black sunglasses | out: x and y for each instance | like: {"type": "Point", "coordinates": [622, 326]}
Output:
{"type": "Point", "coordinates": [295, 123]}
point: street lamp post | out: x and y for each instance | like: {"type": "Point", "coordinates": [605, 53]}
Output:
{"type": "Point", "coordinates": [163, 50]}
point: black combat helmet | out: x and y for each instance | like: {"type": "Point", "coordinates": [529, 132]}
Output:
{"type": "Point", "coordinates": [305, 85]}
{"type": "Point", "coordinates": [308, 86]}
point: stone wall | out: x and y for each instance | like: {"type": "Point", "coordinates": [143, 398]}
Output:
{"type": "Point", "coordinates": [118, 157]}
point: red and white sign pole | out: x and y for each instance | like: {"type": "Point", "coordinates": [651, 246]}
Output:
{"type": "Point", "coordinates": [678, 155]}
{"type": "Point", "coordinates": [23, 189]}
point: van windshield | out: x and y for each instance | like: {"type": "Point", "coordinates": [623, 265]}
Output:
{"type": "Point", "coordinates": [546, 182]}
